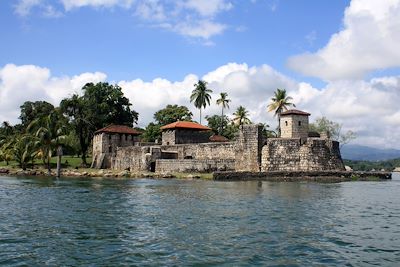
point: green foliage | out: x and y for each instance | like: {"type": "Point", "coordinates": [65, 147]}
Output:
{"type": "Point", "coordinates": [50, 131]}
{"type": "Point", "coordinates": [229, 130]}
{"type": "Point", "coordinates": [361, 165]}
{"type": "Point", "coordinates": [224, 102]}
{"type": "Point", "coordinates": [241, 116]}
{"type": "Point", "coordinates": [33, 110]}
{"type": "Point", "coordinates": [152, 133]}
{"type": "Point", "coordinates": [100, 105]}
{"type": "Point", "coordinates": [334, 129]}
{"type": "Point", "coordinates": [24, 149]}
{"type": "Point", "coordinates": [201, 95]}
{"type": "Point", "coordinates": [172, 113]}
{"type": "Point", "coordinates": [268, 133]}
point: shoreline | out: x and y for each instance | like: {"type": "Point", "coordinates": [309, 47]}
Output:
{"type": "Point", "coordinates": [295, 176]}
{"type": "Point", "coordinates": [274, 176]}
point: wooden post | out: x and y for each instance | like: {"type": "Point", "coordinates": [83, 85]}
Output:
{"type": "Point", "coordinates": [59, 155]}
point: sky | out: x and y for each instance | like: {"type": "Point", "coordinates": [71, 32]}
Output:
{"type": "Point", "coordinates": [339, 59]}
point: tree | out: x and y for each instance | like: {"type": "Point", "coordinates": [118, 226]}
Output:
{"type": "Point", "coordinates": [201, 95]}
{"type": "Point", "coordinates": [241, 116]}
{"type": "Point", "coordinates": [334, 130]}
{"type": "Point", "coordinates": [266, 131]}
{"type": "Point", "coordinates": [50, 131]}
{"type": "Point", "coordinates": [100, 105]}
{"type": "Point", "coordinates": [24, 149]}
{"type": "Point", "coordinates": [77, 112]}
{"type": "Point", "coordinates": [224, 102]}
{"type": "Point", "coordinates": [172, 113]}
{"type": "Point", "coordinates": [228, 129]}
{"type": "Point", "coordinates": [152, 132]}
{"type": "Point", "coordinates": [32, 110]}
{"type": "Point", "coordinates": [280, 102]}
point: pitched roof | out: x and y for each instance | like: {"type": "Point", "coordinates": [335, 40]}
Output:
{"type": "Point", "coordinates": [295, 112]}
{"type": "Point", "coordinates": [185, 125]}
{"type": "Point", "coordinates": [218, 138]}
{"type": "Point", "coordinates": [122, 129]}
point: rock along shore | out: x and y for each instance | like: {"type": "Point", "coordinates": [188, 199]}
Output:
{"type": "Point", "coordinates": [294, 176]}
{"type": "Point", "coordinates": [275, 176]}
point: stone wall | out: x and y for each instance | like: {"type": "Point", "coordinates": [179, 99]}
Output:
{"type": "Point", "coordinates": [182, 136]}
{"type": "Point", "coordinates": [294, 126]}
{"type": "Point", "coordinates": [203, 151]}
{"type": "Point", "coordinates": [105, 147]}
{"type": "Point", "coordinates": [316, 154]}
{"type": "Point", "coordinates": [134, 158]}
{"type": "Point", "coordinates": [189, 165]}
{"type": "Point", "coordinates": [248, 147]}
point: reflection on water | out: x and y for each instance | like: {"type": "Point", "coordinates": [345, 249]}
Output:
{"type": "Point", "coordinates": [170, 222]}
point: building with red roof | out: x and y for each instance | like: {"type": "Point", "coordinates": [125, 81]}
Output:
{"type": "Point", "coordinates": [107, 139]}
{"type": "Point", "coordinates": [185, 132]}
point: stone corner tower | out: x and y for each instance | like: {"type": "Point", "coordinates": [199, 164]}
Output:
{"type": "Point", "coordinates": [106, 141]}
{"type": "Point", "coordinates": [294, 124]}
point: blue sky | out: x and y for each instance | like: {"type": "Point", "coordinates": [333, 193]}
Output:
{"type": "Point", "coordinates": [338, 59]}
{"type": "Point", "coordinates": [125, 46]}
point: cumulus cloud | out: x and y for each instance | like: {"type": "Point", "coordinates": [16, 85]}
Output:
{"type": "Point", "coordinates": [369, 41]}
{"type": "Point", "coordinates": [369, 108]}
{"type": "Point", "coordinates": [32, 83]}
{"type": "Point", "coordinates": [191, 18]}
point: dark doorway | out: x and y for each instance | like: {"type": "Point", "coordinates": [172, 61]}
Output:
{"type": "Point", "coordinates": [152, 166]}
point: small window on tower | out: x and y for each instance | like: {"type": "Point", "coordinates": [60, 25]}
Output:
{"type": "Point", "coordinates": [286, 123]}
{"type": "Point", "coordinates": [299, 123]}
{"type": "Point", "coordinates": [109, 149]}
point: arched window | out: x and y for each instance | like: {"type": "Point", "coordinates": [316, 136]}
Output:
{"type": "Point", "coordinates": [286, 124]}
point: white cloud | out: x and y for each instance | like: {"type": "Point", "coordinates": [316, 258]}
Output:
{"type": "Point", "coordinates": [368, 42]}
{"type": "Point", "coordinates": [191, 18]}
{"type": "Point", "coordinates": [70, 4]}
{"type": "Point", "coordinates": [209, 7]}
{"type": "Point", "coordinates": [23, 7]}
{"type": "Point", "coordinates": [369, 108]}
{"type": "Point", "coordinates": [32, 83]}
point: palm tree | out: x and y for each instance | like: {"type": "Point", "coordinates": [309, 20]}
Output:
{"type": "Point", "coordinates": [241, 116]}
{"type": "Point", "coordinates": [49, 133]}
{"type": "Point", "coordinates": [280, 102]}
{"type": "Point", "coordinates": [224, 102]}
{"type": "Point", "coordinates": [201, 95]}
{"type": "Point", "coordinates": [23, 149]}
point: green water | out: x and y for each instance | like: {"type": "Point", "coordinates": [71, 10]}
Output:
{"type": "Point", "coordinates": [81, 222]}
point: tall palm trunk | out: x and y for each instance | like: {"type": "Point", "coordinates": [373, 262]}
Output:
{"type": "Point", "coordinates": [200, 115]}
{"type": "Point", "coordinates": [222, 121]}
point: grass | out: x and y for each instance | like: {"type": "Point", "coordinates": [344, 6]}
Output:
{"type": "Point", "coordinates": [66, 162]}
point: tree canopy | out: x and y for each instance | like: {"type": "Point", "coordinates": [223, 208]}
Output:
{"type": "Point", "coordinates": [201, 95]}
{"type": "Point", "coordinates": [279, 103]}
{"type": "Point", "coordinates": [334, 129]}
{"type": "Point", "coordinates": [172, 113]}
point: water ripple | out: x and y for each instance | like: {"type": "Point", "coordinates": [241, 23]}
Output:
{"type": "Point", "coordinates": [98, 222]}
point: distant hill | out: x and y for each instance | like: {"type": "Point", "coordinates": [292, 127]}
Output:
{"type": "Point", "coordinates": [357, 152]}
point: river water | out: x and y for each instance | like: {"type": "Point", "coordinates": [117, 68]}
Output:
{"type": "Point", "coordinates": [104, 222]}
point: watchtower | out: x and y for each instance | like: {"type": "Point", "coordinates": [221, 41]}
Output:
{"type": "Point", "coordinates": [294, 124]}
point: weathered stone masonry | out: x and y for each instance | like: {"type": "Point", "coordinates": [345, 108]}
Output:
{"type": "Point", "coordinates": [250, 152]}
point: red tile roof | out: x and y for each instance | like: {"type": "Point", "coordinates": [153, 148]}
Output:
{"type": "Point", "coordinates": [218, 138]}
{"type": "Point", "coordinates": [122, 129]}
{"type": "Point", "coordinates": [185, 125]}
{"type": "Point", "coordinates": [295, 112]}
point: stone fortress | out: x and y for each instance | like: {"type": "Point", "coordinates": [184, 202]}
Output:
{"type": "Point", "coordinates": [188, 147]}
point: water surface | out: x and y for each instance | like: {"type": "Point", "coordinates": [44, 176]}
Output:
{"type": "Point", "coordinates": [105, 222]}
